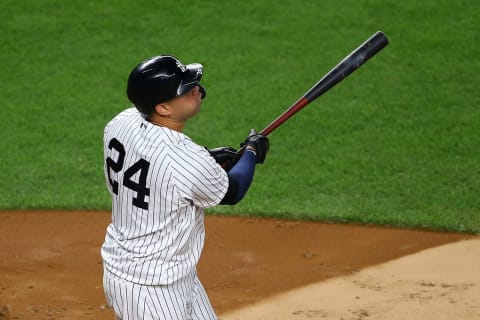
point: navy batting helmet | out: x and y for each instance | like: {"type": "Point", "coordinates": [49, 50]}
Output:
{"type": "Point", "coordinates": [160, 79]}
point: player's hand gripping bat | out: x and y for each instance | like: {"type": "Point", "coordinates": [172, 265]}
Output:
{"type": "Point", "coordinates": [349, 64]}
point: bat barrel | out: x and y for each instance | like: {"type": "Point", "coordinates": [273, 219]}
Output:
{"type": "Point", "coordinates": [349, 64]}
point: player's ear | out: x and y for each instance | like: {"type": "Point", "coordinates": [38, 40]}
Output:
{"type": "Point", "coordinates": [163, 109]}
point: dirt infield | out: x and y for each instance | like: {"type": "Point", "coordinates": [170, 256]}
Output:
{"type": "Point", "coordinates": [50, 268]}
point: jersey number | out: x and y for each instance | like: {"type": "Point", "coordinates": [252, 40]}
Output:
{"type": "Point", "coordinates": [140, 166]}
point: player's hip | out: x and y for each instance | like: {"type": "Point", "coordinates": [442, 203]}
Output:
{"type": "Point", "coordinates": [179, 300]}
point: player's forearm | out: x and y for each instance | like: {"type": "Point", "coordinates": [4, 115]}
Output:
{"type": "Point", "coordinates": [240, 178]}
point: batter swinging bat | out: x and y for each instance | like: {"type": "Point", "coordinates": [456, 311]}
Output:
{"type": "Point", "coordinates": [349, 64]}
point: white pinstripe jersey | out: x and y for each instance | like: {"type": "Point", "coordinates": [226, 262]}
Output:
{"type": "Point", "coordinates": [159, 181]}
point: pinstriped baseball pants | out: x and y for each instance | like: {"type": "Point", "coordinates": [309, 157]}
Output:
{"type": "Point", "coordinates": [185, 299]}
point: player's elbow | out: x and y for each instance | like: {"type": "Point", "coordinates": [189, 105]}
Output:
{"type": "Point", "coordinates": [231, 197]}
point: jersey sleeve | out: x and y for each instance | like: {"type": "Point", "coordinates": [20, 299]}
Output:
{"type": "Point", "coordinates": [198, 177]}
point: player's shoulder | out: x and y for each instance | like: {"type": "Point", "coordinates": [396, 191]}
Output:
{"type": "Point", "coordinates": [129, 115]}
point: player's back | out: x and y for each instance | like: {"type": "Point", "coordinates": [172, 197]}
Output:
{"type": "Point", "coordinates": [159, 181]}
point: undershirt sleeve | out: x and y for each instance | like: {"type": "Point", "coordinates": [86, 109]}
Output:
{"type": "Point", "coordinates": [240, 178]}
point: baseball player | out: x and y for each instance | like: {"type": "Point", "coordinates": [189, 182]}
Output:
{"type": "Point", "coordinates": [161, 182]}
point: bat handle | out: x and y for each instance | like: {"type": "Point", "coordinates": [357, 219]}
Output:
{"type": "Point", "coordinates": [302, 102]}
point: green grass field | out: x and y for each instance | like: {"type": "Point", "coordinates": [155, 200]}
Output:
{"type": "Point", "coordinates": [397, 143]}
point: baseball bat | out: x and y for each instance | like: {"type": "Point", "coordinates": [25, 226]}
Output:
{"type": "Point", "coordinates": [348, 65]}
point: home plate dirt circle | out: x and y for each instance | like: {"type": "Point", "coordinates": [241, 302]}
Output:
{"type": "Point", "coordinates": [50, 268]}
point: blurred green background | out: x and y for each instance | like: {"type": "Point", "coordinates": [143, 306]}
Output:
{"type": "Point", "coordinates": [396, 143]}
